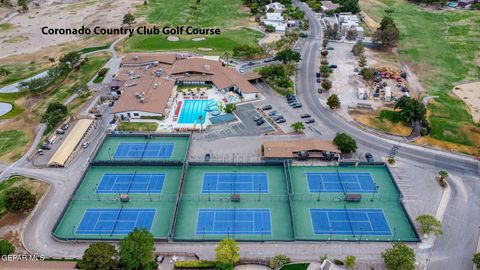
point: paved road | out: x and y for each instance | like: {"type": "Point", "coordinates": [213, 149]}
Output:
{"type": "Point", "coordinates": [454, 249]}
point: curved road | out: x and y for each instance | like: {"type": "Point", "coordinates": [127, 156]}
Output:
{"type": "Point", "coordinates": [454, 249]}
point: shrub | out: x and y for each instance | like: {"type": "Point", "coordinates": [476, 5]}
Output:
{"type": "Point", "coordinates": [338, 262]}
{"type": "Point", "coordinates": [391, 161]}
{"type": "Point", "coordinates": [19, 199]}
{"type": "Point", "coordinates": [278, 261]}
{"type": "Point", "coordinates": [202, 264]}
{"type": "Point", "coordinates": [6, 248]}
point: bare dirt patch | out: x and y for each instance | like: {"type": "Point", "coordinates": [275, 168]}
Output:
{"type": "Point", "coordinates": [371, 119]}
{"type": "Point", "coordinates": [88, 13]}
{"type": "Point", "coordinates": [429, 141]}
{"type": "Point", "coordinates": [470, 94]}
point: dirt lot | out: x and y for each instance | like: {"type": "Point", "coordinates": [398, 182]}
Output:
{"type": "Point", "coordinates": [470, 94]}
{"type": "Point", "coordinates": [25, 37]}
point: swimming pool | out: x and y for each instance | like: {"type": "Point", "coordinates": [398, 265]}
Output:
{"type": "Point", "coordinates": [193, 109]}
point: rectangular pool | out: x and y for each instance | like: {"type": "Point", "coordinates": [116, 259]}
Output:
{"type": "Point", "coordinates": [192, 110]}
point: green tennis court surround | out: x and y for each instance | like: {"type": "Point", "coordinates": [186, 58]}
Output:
{"type": "Point", "coordinates": [204, 201]}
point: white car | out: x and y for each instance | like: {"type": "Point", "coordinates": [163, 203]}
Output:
{"type": "Point", "coordinates": [241, 70]}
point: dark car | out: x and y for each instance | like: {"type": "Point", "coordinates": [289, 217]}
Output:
{"type": "Point", "coordinates": [317, 74]}
{"type": "Point", "coordinates": [46, 146]}
{"type": "Point", "coordinates": [297, 105]}
{"type": "Point", "coordinates": [207, 157]}
{"type": "Point", "coordinates": [65, 126]}
{"type": "Point", "coordinates": [320, 90]}
{"type": "Point", "coordinates": [257, 117]}
{"type": "Point", "coordinates": [319, 80]}
{"type": "Point", "coordinates": [260, 122]}
{"type": "Point", "coordinates": [291, 102]}
{"type": "Point", "coordinates": [251, 63]}
{"type": "Point", "coordinates": [369, 157]}
{"type": "Point", "coordinates": [277, 117]}
{"type": "Point", "coordinates": [303, 35]}
{"type": "Point", "coordinates": [281, 120]}
{"type": "Point", "coordinates": [268, 60]}
{"type": "Point", "coordinates": [333, 66]}
{"type": "Point", "coordinates": [290, 96]}
{"type": "Point", "coordinates": [305, 115]}
{"type": "Point", "coordinates": [272, 113]}
{"type": "Point", "coordinates": [266, 107]}
{"type": "Point", "coordinates": [310, 120]}
{"type": "Point", "coordinates": [330, 48]}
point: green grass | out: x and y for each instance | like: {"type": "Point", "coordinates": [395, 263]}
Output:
{"type": "Point", "coordinates": [99, 79]}
{"type": "Point", "coordinates": [137, 126]}
{"type": "Point", "coordinates": [4, 186]}
{"type": "Point", "coordinates": [5, 26]}
{"type": "Point", "coordinates": [442, 47]}
{"type": "Point", "coordinates": [10, 98]}
{"type": "Point", "coordinates": [225, 15]}
{"type": "Point", "coordinates": [93, 49]}
{"type": "Point", "coordinates": [392, 116]}
{"type": "Point", "coordinates": [11, 140]}
{"type": "Point", "coordinates": [295, 266]}
{"type": "Point", "coordinates": [225, 42]}
{"type": "Point", "coordinates": [20, 72]}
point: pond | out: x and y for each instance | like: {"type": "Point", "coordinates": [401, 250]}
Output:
{"type": "Point", "coordinates": [5, 108]}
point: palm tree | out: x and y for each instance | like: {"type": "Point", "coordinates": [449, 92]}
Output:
{"type": "Point", "coordinates": [200, 118]}
{"type": "Point", "coordinates": [443, 174]}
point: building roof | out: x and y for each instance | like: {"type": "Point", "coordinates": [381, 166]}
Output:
{"type": "Point", "coordinates": [70, 143]}
{"type": "Point", "coordinates": [150, 94]}
{"type": "Point", "coordinates": [285, 149]}
{"type": "Point", "coordinates": [329, 5]}
{"type": "Point", "coordinates": [146, 58]}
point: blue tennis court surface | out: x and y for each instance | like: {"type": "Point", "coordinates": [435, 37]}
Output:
{"type": "Point", "coordinates": [115, 221]}
{"type": "Point", "coordinates": [349, 222]}
{"type": "Point", "coordinates": [234, 221]}
{"type": "Point", "coordinates": [340, 182]}
{"type": "Point", "coordinates": [235, 182]}
{"type": "Point", "coordinates": [143, 150]}
{"type": "Point", "coordinates": [131, 183]}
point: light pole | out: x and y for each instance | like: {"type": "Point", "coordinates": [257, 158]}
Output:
{"type": "Point", "coordinates": [259, 190]}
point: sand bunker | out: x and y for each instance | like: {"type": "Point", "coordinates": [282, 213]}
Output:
{"type": "Point", "coordinates": [470, 94]}
{"type": "Point", "coordinates": [173, 38]}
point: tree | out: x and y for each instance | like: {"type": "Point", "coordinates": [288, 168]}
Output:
{"type": "Point", "coordinates": [6, 248]}
{"type": "Point", "coordinates": [368, 74]}
{"type": "Point", "coordinates": [270, 28]}
{"type": "Point", "coordinates": [230, 107]}
{"type": "Point", "coordinates": [358, 49]}
{"type": "Point", "coordinates": [349, 6]}
{"type": "Point", "coordinates": [387, 35]}
{"type": "Point", "coordinates": [69, 60]}
{"type": "Point", "coordinates": [332, 31]}
{"type": "Point", "coordinates": [324, 53]}
{"type": "Point", "coordinates": [227, 254]}
{"type": "Point", "coordinates": [429, 224]}
{"type": "Point", "coordinates": [362, 61]}
{"type": "Point", "coordinates": [326, 85]}
{"type": "Point", "coordinates": [19, 199]}
{"type": "Point", "coordinates": [399, 257]}
{"type": "Point", "coordinates": [324, 43]}
{"type": "Point", "coordinates": [443, 174]}
{"type": "Point", "coordinates": [136, 250]}
{"type": "Point", "coordinates": [476, 260]}
{"type": "Point", "coordinates": [350, 261]}
{"type": "Point", "coordinates": [102, 72]}
{"type": "Point", "coordinates": [54, 114]}
{"type": "Point", "coordinates": [297, 126]}
{"type": "Point", "coordinates": [288, 55]}
{"type": "Point", "coordinates": [23, 4]}
{"type": "Point", "coordinates": [101, 256]}
{"type": "Point", "coordinates": [411, 110]}
{"type": "Point", "coordinates": [278, 261]}
{"type": "Point", "coordinates": [333, 102]}
{"type": "Point", "coordinates": [351, 34]}
{"type": "Point", "coordinates": [128, 19]}
{"type": "Point", "coordinates": [345, 143]}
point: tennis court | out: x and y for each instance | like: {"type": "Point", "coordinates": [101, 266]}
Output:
{"type": "Point", "coordinates": [349, 221]}
{"type": "Point", "coordinates": [234, 221]}
{"type": "Point", "coordinates": [141, 147]}
{"type": "Point", "coordinates": [143, 150]}
{"type": "Point", "coordinates": [340, 182]}
{"type": "Point", "coordinates": [131, 183]}
{"type": "Point", "coordinates": [241, 182]}
{"type": "Point", "coordinates": [115, 221]}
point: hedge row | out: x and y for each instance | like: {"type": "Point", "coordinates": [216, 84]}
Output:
{"type": "Point", "coordinates": [202, 264]}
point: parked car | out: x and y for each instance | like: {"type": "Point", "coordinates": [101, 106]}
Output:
{"type": "Point", "coordinates": [40, 152]}
{"type": "Point", "coordinates": [268, 60]}
{"type": "Point", "coordinates": [333, 66]}
{"type": "Point", "coordinates": [266, 107]}
{"type": "Point", "coordinates": [369, 157]}
{"type": "Point", "coordinates": [260, 122]}
{"type": "Point", "coordinates": [65, 127]}
{"type": "Point", "coordinates": [46, 146]}
{"type": "Point", "coordinates": [272, 113]}
{"type": "Point", "coordinates": [310, 120]}
{"type": "Point", "coordinates": [330, 48]}
{"type": "Point", "coordinates": [60, 131]}
{"type": "Point", "coordinates": [241, 70]}
{"type": "Point", "coordinates": [290, 96]}
{"type": "Point", "coordinates": [291, 102]}
{"type": "Point", "coordinates": [257, 117]}
{"type": "Point", "coordinates": [251, 63]}
{"type": "Point", "coordinates": [320, 90]}
{"type": "Point", "coordinates": [297, 105]}
{"type": "Point", "coordinates": [303, 35]}
{"type": "Point", "coordinates": [277, 117]}
{"type": "Point", "coordinates": [317, 74]}
{"type": "Point", "coordinates": [85, 145]}
{"type": "Point", "coordinates": [282, 120]}
{"type": "Point", "coordinates": [207, 157]}
{"type": "Point", "coordinates": [319, 80]}
{"type": "Point", "coordinates": [305, 115]}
